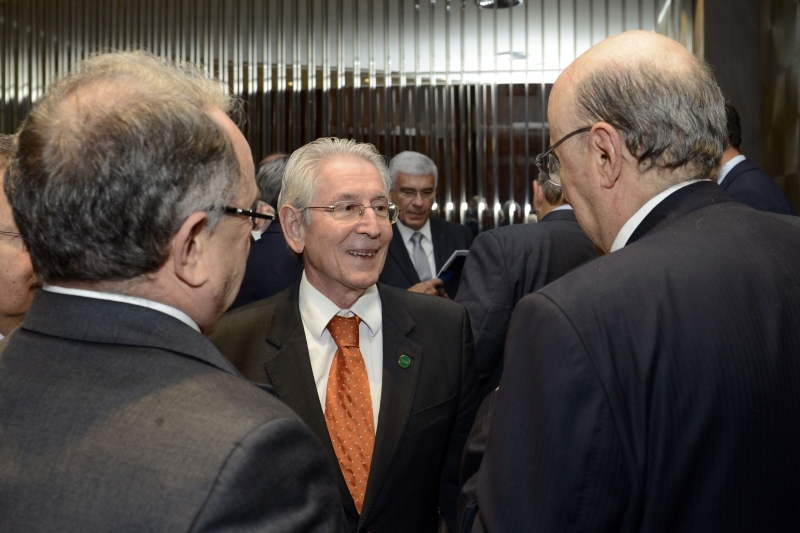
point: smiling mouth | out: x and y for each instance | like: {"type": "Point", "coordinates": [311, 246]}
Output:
{"type": "Point", "coordinates": [362, 254]}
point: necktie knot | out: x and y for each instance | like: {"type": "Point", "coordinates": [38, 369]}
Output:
{"type": "Point", "coordinates": [416, 237]}
{"type": "Point", "coordinates": [344, 330]}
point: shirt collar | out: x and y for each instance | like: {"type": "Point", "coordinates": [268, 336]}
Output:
{"type": "Point", "coordinates": [124, 298]}
{"type": "Point", "coordinates": [630, 226]}
{"type": "Point", "coordinates": [562, 208]}
{"type": "Point", "coordinates": [317, 310]}
{"type": "Point", "coordinates": [406, 232]}
{"type": "Point", "coordinates": [728, 166]}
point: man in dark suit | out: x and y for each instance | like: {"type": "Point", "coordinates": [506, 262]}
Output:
{"type": "Point", "coordinates": [505, 264]}
{"type": "Point", "coordinates": [742, 180]}
{"type": "Point", "coordinates": [393, 401]}
{"type": "Point", "coordinates": [656, 388]}
{"type": "Point", "coordinates": [130, 185]}
{"type": "Point", "coordinates": [420, 244]}
{"type": "Point", "coordinates": [271, 266]}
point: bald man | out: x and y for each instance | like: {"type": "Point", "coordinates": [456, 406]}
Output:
{"type": "Point", "coordinates": [656, 388]}
{"type": "Point", "coordinates": [17, 280]}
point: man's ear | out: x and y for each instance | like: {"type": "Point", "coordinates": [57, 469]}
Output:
{"type": "Point", "coordinates": [294, 229]}
{"type": "Point", "coordinates": [538, 196]}
{"type": "Point", "coordinates": [189, 248]}
{"type": "Point", "coordinates": [605, 153]}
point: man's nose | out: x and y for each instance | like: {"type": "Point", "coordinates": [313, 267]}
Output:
{"type": "Point", "coordinates": [418, 200]}
{"type": "Point", "coordinates": [369, 224]}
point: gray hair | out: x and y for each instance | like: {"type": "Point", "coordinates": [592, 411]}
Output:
{"type": "Point", "coordinates": [552, 193]}
{"type": "Point", "coordinates": [269, 177]}
{"type": "Point", "coordinates": [414, 164]}
{"type": "Point", "coordinates": [113, 159]}
{"type": "Point", "coordinates": [668, 119]}
{"type": "Point", "coordinates": [305, 163]}
{"type": "Point", "coordinates": [6, 149]}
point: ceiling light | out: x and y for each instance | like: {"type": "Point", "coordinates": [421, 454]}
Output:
{"type": "Point", "coordinates": [515, 56]}
{"type": "Point", "coordinates": [489, 4]}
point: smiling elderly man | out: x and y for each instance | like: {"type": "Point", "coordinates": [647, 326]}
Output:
{"type": "Point", "coordinates": [17, 280]}
{"type": "Point", "coordinates": [385, 377]}
{"type": "Point", "coordinates": [654, 389]}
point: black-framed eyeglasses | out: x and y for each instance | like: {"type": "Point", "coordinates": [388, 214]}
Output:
{"type": "Point", "coordinates": [261, 215]}
{"type": "Point", "coordinates": [346, 211]}
{"type": "Point", "coordinates": [549, 165]}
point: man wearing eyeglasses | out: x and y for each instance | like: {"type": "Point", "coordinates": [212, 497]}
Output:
{"type": "Point", "coordinates": [384, 377]}
{"type": "Point", "coordinates": [17, 280]}
{"type": "Point", "coordinates": [136, 198]}
{"type": "Point", "coordinates": [654, 389]}
{"type": "Point", "coordinates": [421, 244]}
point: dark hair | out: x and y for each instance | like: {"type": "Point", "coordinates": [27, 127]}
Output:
{"type": "Point", "coordinates": [112, 160]}
{"type": "Point", "coordinates": [667, 119]}
{"type": "Point", "coordinates": [269, 178]}
{"type": "Point", "coordinates": [734, 126]}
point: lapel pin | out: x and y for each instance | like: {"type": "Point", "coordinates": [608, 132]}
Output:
{"type": "Point", "coordinates": [404, 361]}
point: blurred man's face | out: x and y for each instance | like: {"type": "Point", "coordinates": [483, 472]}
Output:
{"type": "Point", "coordinates": [17, 280]}
{"type": "Point", "coordinates": [414, 195]}
{"type": "Point", "coordinates": [344, 258]}
{"type": "Point", "coordinates": [231, 238]}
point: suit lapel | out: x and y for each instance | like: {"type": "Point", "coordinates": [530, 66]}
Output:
{"type": "Point", "coordinates": [289, 368]}
{"type": "Point", "coordinates": [397, 392]}
{"type": "Point", "coordinates": [399, 254]}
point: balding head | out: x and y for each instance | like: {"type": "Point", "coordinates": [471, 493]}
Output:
{"type": "Point", "coordinates": [661, 104]}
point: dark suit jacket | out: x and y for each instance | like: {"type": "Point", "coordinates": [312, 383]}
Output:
{"type": "Point", "coordinates": [115, 417]}
{"type": "Point", "coordinates": [271, 267]}
{"type": "Point", "coordinates": [748, 184]}
{"type": "Point", "coordinates": [447, 236]}
{"type": "Point", "coordinates": [656, 388]}
{"type": "Point", "coordinates": [505, 264]}
{"type": "Point", "coordinates": [426, 409]}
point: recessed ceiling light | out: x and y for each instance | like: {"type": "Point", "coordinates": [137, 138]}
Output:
{"type": "Point", "coordinates": [516, 56]}
{"type": "Point", "coordinates": [489, 4]}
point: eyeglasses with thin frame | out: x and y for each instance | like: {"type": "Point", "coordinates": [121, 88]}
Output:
{"type": "Point", "coordinates": [261, 215]}
{"type": "Point", "coordinates": [549, 165]}
{"type": "Point", "coordinates": [347, 211]}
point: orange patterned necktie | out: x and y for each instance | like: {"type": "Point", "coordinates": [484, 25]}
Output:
{"type": "Point", "coordinates": [348, 407]}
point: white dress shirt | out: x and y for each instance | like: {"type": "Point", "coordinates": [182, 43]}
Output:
{"type": "Point", "coordinates": [317, 311]}
{"type": "Point", "coordinates": [134, 300]}
{"type": "Point", "coordinates": [426, 242]}
{"type": "Point", "coordinates": [728, 166]}
{"type": "Point", "coordinates": [630, 226]}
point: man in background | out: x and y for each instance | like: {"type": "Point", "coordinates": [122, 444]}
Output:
{"type": "Point", "coordinates": [742, 180]}
{"type": "Point", "coordinates": [136, 200]}
{"type": "Point", "coordinates": [505, 264]}
{"type": "Point", "coordinates": [17, 280]}
{"type": "Point", "coordinates": [421, 244]}
{"type": "Point", "coordinates": [655, 388]}
{"type": "Point", "coordinates": [271, 266]}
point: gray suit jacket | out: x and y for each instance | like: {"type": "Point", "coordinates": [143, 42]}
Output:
{"type": "Point", "coordinates": [114, 417]}
{"type": "Point", "coordinates": [426, 409]}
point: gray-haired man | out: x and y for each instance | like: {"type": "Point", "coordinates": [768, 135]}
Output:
{"type": "Point", "coordinates": [385, 377]}
{"type": "Point", "coordinates": [420, 244]}
{"type": "Point", "coordinates": [656, 388]}
{"type": "Point", "coordinates": [133, 189]}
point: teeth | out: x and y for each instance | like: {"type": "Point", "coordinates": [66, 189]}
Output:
{"type": "Point", "coordinates": [361, 254]}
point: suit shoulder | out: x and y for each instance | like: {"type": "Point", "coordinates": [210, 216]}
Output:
{"type": "Point", "coordinates": [452, 228]}
{"type": "Point", "coordinates": [415, 302]}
